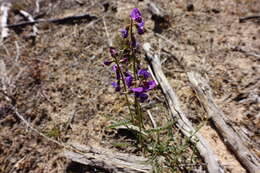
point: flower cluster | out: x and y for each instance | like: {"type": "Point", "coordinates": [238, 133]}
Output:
{"type": "Point", "coordinates": [130, 76]}
{"type": "Point", "coordinates": [136, 16]}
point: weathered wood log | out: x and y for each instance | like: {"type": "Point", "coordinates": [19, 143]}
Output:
{"type": "Point", "coordinates": [64, 20]}
{"type": "Point", "coordinates": [109, 160]}
{"type": "Point", "coordinates": [183, 123]}
{"type": "Point", "coordinates": [216, 115]}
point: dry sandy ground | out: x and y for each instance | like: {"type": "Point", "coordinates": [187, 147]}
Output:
{"type": "Point", "coordinates": [60, 75]}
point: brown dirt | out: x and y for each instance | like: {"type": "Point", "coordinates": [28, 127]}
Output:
{"type": "Point", "coordinates": [62, 76]}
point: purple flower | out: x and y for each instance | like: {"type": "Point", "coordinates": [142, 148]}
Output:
{"type": "Point", "coordinates": [141, 96]}
{"type": "Point", "coordinates": [150, 85]}
{"type": "Point", "coordinates": [140, 92]}
{"type": "Point", "coordinates": [140, 28]}
{"type": "Point", "coordinates": [128, 79]}
{"type": "Point", "coordinates": [107, 62]}
{"type": "Point", "coordinates": [124, 33]}
{"type": "Point", "coordinates": [112, 51]}
{"type": "Point", "coordinates": [136, 15]}
{"type": "Point", "coordinates": [124, 60]}
{"type": "Point", "coordinates": [116, 86]}
{"type": "Point", "coordinates": [138, 89]}
{"type": "Point", "coordinates": [115, 69]}
{"type": "Point", "coordinates": [144, 73]}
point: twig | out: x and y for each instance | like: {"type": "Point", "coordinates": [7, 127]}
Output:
{"type": "Point", "coordinates": [249, 53]}
{"type": "Point", "coordinates": [230, 137]}
{"type": "Point", "coordinates": [110, 44]}
{"type": "Point", "coordinates": [37, 4]}
{"type": "Point", "coordinates": [31, 19]}
{"type": "Point", "coordinates": [58, 21]}
{"type": "Point", "coordinates": [183, 123]}
{"type": "Point", "coordinates": [4, 18]}
{"type": "Point", "coordinates": [243, 19]}
{"type": "Point", "coordinates": [152, 119]}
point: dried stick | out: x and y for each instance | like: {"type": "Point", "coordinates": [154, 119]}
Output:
{"type": "Point", "coordinates": [152, 119]}
{"type": "Point", "coordinates": [4, 18]}
{"type": "Point", "coordinates": [230, 137]}
{"type": "Point", "coordinates": [31, 19]}
{"type": "Point", "coordinates": [110, 43]}
{"type": "Point", "coordinates": [183, 123]}
{"type": "Point", "coordinates": [109, 160]}
{"type": "Point", "coordinates": [243, 19]}
{"type": "Point", "coordinates": [58, 21]}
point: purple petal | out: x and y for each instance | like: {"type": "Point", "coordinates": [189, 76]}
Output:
{"type": "Point", "coordinates": [124, 60]}
{"type": "Point", "coordinates": [141, 24]}
{"type": "Point", "coordinates": [114, 68]}
{"type": "Point", "coordinates": [112, 51]}
{"type": "Point", "coordinates": [140, 30]}
{"type": "Point", "coordinates": [136, 15]}
{"type": "Point", "coordinates": [124, 33]}
{"type": "Point", "coordinates": [144, 73]}
{"type": "Point", "coordinates": [106, 62]}
{"type": "Point", "coordinates": [142, 96]}
{"type": "Point", "coordinates": [152, 84]}
{"type": "Point", "coordinates": [116, 86]}
{"type": "Point", "coordinates": [138, 89]}
{"type": "Point", "coordinates": [129, 80]}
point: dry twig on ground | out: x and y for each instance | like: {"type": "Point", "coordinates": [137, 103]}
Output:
{"type": "Point", "coordinates": [230, 137]}
{"type": "Point", "coordinates": [4, 18]}
{"type": "Point", "coordinates": [183, 123]}
{"type": "Point", "coordinates": [109, 160]}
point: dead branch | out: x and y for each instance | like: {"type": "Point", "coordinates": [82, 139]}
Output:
{"type": "Point", "coordinates": [57, 21]}
{"type": "Point", "coordinates": [182, 121]}
{"type": "Point", "coordinates": [230, 137]}
{"type": "Point", "coordinates": [109, 160]}
{"type": "Point", "coordinates": [31, 19]}
{"type": "Point", "coordinates": [243, 19]}
{"type": "Point", "coordinates": [4, 18]}
{"type": "Point", "coordinates": [246, 52]}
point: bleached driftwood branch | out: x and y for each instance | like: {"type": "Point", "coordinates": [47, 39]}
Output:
{"type": "Point", "coordinates": [109, 160]}
{"type": "Point", "coordinates": [230, 137]}
{"type": "Point", "coordinates": [4, 18]}
{"type": "Point", "coordinates": [58, 21]}
{"type": "Point", "coordinates": [183, 123]}
{"type": "Point", "coordinates": [31, 19]}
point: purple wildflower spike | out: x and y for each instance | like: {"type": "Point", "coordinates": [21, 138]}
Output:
{"type": "Point", "coordinates": [136, 15]}
{"type": "Point", "coordinates": [124, 33]}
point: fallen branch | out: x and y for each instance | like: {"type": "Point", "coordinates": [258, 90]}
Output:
{"type": "Point", "coordinates": [31, 19]}
{"type": "Point", "coordinates": [4, 18]}
{"type": "Point", "coordinates": [246, 52]}
{"type": "Point", "coordinates": [183, 123]}
{"type": "Point", "coordinates": [230, 137]}
{"type": "Point", "coordinates": [109, 160]}
{"type": "Point", "coordinates": [243, 19]}
{"type": "Point", "coordinates": [58, 21]}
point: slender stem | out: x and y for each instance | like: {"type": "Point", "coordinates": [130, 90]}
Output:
{"type": "Point", "coordinates": [125, 89]}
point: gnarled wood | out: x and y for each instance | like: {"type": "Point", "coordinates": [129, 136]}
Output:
{"type": "Point", "coordinates": [183, 123]}
{"type": "Point", "coordinates": [230, 137]}
{"type": "Point", "coordinates": [109, 160]}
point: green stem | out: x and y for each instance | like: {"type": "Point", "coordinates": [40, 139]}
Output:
{"type": "Point", "coordinates": [125, 89]}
